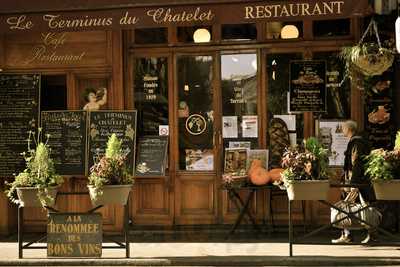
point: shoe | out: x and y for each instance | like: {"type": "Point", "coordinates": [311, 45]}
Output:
{"type": "Point", "coordinates": [343, 239]}
{"type": "Point", "coordinates": [369, 239]}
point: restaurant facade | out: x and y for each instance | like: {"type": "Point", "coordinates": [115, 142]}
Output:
{"type": "Point", "coordinates": [207, 74]}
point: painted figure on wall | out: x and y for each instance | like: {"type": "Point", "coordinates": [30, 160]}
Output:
{"type": "Point", "coordinates": [95, 98]}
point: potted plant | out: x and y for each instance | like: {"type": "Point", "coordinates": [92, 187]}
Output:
{"type": "Point", "coordinates": [110, 181]}
{"type": "Point", "coordinates": [368, 58]}
{"type": "Point", "coordinates": [305, 174]}
{"type": "Point", "coordinates": [37, 184]}
{"type": "Point", "coordinates": [382, 167]}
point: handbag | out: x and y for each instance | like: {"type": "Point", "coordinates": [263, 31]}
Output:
{"type": "Point", "coordinates": [371, 215]}
{"type": "Point", "coordinates": [347, 222]}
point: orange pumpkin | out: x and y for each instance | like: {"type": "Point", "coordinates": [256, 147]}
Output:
{"type": "Point", "coordinates": [260, 176]}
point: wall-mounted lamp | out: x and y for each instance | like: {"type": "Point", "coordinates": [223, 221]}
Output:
{"type": "Point", "coordinates": [201, 35]}
{"type": "Point", "coordinates": [289, 32]}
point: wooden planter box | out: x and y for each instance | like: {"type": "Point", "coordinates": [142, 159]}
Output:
{"type": "Point", "coordinates": [28, 196]}
{"type": "Point", "coordinates": [112, 194]}
{"type": "Point", "coordinates": [387, 190]}
{"type": "Point", "coordinates": [308, 190]}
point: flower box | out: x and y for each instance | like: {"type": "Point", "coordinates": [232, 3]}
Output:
{"type": "Point", "coordinates": [308, 190]}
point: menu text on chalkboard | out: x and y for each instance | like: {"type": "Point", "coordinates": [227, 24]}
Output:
{"type": "Point", "coordinates": [19, 113]}
{"type": "Point", "coordinates": [102, 124]}
{"type": "Point", "coordinates": [151, 156]}
{"type": "Point", "coordinates": [307, 86]}
{"type": "Point", "coordinates": [67, 140]}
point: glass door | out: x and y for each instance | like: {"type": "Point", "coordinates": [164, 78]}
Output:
{"type": "Point", "coordinates": [195, 113]}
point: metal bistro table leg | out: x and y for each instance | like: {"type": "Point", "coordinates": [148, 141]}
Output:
{"type": "Point", "coordinates": [126, 230]}
{"type": "Point", "coordinates": [290, 228]}
{"type": "Point", "coordinates": [20, 231]}
{"type": "Point", "coordinates": [242, 212]}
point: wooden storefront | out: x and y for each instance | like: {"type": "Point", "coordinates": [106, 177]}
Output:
{"type": "Point", "coordinates": [155, 39]}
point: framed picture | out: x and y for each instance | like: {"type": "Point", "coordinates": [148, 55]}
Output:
{"type": "Point", "coordinates": [235, 161]}
{"type": "Point", "coordinates": [260, 154]}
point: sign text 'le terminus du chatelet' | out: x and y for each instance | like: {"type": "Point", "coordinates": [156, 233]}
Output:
{"type": "Point", "coordinates": [180, 15]}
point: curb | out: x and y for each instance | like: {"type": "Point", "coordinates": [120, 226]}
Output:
{"type": "Point", "coordinates": [210, 261]}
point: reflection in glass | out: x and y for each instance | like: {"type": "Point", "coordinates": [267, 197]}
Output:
{"type": "Point", "coordinates": [195, 113]}
{"type": "Point", "coordinates": [338, 89]}
{"type": "Point", "coordinates": [151, 94]}
{"type": "Point", "coordinates": [278, 87]}
{"type": "Point", "coordinates": [239, 99]}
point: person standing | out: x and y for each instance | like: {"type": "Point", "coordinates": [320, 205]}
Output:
{"type": "Point", "coordinates": [357, 148]}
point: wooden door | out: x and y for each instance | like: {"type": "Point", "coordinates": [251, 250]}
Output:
{"type": "Point", "coordinates": [197, 139]}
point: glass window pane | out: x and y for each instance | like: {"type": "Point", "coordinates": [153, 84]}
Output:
{"type": "Point", "coordinates": [327, 28]}
{"type": "Point", "coordinates": [151, 94]}
{"type": "Point", "coordinates": [338, 90]}
{"type": "Point", "coordinates": [277, 30]}
{"type": "Point", "coordinates": [151, 36]}
{"type": "Point", "coordinates": [239, 32]}
{"type": "Point", "coordinates": [186, 34]}
{"type": "Point", "coordinates": [278, 87]}
{"type": "Point", "coordinates": [239, 99]}
{"type": "Point", "coordinates": [195, 112]}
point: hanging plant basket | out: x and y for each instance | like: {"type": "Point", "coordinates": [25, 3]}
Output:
{"type": "Point", "coordinates": [368, 58]}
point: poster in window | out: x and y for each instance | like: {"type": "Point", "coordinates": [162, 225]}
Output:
{"type": "Point", "coordinates": [199, 159]}
{"type": "Point", "coordinates": [235, 161]}
{"type": "Point", "coordinates": [229, 127]}
{"type": "Point", "coordinates": [250, 126]}
{"type": "Point", "coordinates": [260, 154]}
{"type": "Point", "coordinates": [307, 86]}
{"type": "Point", "coordinates": [330, 134]}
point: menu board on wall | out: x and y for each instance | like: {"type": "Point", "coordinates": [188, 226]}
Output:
{"type": "Point", "coordinates": [151, 156]}
{"type": "Point", "coordinates": [19, 113]}
{"type": "Point", "coordinates": [307, 86]}
{"type": "Point", "coordinates": [67, 140]}
{"type": "Point", "coordinates": [102, 124]}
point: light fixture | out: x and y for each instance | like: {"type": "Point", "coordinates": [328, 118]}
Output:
{"type": "Point", "coordinates": [201, 35]}
{"type": "Point", "coordinates": [289, 32]}
{"type": "Point", "coordinates": [254, 64]}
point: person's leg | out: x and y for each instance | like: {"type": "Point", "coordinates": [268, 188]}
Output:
{"type": "Point", "coordinates": [345, 238]}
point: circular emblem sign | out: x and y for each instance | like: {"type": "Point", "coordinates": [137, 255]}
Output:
{"type": "Point", "coordinates": [196, 124]}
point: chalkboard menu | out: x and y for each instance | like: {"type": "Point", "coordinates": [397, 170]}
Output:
{"type": "Point", "coordinates": [74, 235]}
{"type": "Point", "coordinates": [19, 113]}
{"type": "Point", "coordinates": [102, 124]}
{"type": "Point", "coordinates": [67, 140]}
{"type": "Point", "coordinates": [307, 86]}
{"type": "Point", "coordinates": [151, 156]}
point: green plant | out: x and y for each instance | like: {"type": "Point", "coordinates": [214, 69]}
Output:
{"type": "Point", "coordinates": [111, 168]}
{"type": "Point", "coordinates": [307, 162]}
{"type": "Point", "coordinates": [378, 165]}
{"type": "Point", "coordinates": [39, 171]}
{"type": "Point", "coordinates": [397, 141]}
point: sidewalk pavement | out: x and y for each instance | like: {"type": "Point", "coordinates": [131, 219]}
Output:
{"type": "Point", "coordinates": [216, 254]}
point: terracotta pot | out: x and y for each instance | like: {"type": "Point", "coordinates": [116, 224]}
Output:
{"type": "Point", "coordinates": [112, 194]}
{"type": "Point", "coordinates": [28, 196]}
{"type": "Point", "coordinates": [308, 190]}
{"type": "Point", "coordinates": [387, 190]}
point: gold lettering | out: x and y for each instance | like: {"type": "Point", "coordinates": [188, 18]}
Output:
{"type": "Point", "coordinates": [275, 8]}
{"type": "Point", "coordinates": [284, 11]}
{"type": "Point", "coordinates": [128, 20]}
{"type": "Point", "coordinates": [19, 23]}
{"type": "Point", "coordinates": [328, 7]}
{"type": "Point", "coordinates": [292, 13]}
{"type": "Point", "coordinates": [259, 12]}
{"type": "Point", "coordinates": [305, 7]}
{"type": "Point", "coordinates": [268, 11]}
{"type": "Point", "coordinates": [54, 22]}
{"type": "Point", "coordinates": [249, 12]}
{"type": "Point", "coordinates": [317, 10]}
{"type": "Point", "coordinates": [339, 6]}
{"type": "Point", "coordinates": [162, 15]}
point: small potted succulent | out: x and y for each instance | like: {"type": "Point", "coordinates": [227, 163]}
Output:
{"type": "Point", "coordinates": [37, 184]}
{"type": "Point", "coordinates": [305, 174]}
{"type": "Point", "coordinates": [109, 180]}
{"type": "Point", "coordinates": [382, 167]}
